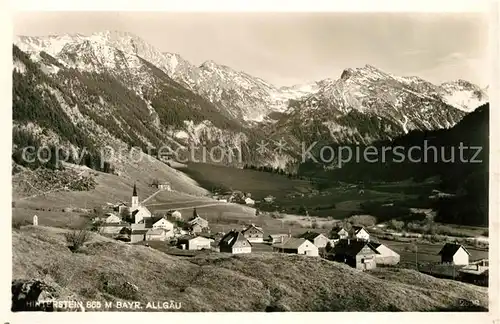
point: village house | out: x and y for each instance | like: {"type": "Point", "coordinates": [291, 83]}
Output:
{"type": "Point", "coordinates": [359, 232]}
{"type": "Point", "coordinates": [269, 199]}
{"type": "Point", "coordinates": [158, 234]}
{"type": "Point", "coordinates": [254, 234]}
{"type": "Point", "coordinates": [455, 254]}
{"type": "Point", "coordinates": [152, 229]}
{"type": "Point", "coordinates": [158, 222]}
{"type": "Point", "coordinates": [277, 238]}
{"type": "Point", "coordinates": [138, 234]}
{"type": "Point", "coordinates": [165, 186]}
{"type": "Point", "coordinates": [235, 242]}
{"type": "Point", "coordinates": [386, 256]}
{"type": "Point", "coordinates": [296, 246]}
{"type": "Point", "coordinates": [318, 239]}
{"type": "Point", "coordinates": [197, 224]}
{"type": "Point", "coordinates": [358, 254]}
{"type": "Point", "coordinates": [112, 219]}
{"type": "Point", "coordinates": [195, 243]}
{"type": "Point", "coordinates": [342, 234]}
{"type": "Point", "coordinates": [249, 201]}
{"type": "Point", "coordinates": [339, 234]}
{"type": "Point", "coordinates": [120, 207]}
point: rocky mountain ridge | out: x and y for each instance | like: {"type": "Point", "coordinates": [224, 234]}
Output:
{"type": "Point", "coordinates": [138, 95]}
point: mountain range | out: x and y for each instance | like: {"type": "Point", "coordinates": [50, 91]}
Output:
{"type": "Point", "coordinates": [114, 88]}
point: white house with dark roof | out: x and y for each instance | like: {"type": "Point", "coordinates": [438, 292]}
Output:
{"type": "Point", "coordinates": [360, 233]}
{"type": "Point", "coordinates": [386, 255]}
{"type": "Point", "coordinates": [195, 242]}
{"type": "Point", "coordinates": [235, 242]}
{"type": "Point", "coordinates": [455, 254]}
{"type": "Point", "coordinates": [318, 239]}
{"type": "Point", "coordinates": [297, 246]}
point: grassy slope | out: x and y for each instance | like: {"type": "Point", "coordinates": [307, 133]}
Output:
{"type": "Point", "coordinates": [110, 189]}
{"type": "Point", "coordinates": [220, 282]}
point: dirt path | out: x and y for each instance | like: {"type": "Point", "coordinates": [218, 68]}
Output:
{"type": "Point", "coordinates": [151, 196]}
{"type": "Point", "coordinates": [191, 207]}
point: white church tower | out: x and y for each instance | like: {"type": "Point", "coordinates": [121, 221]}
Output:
{"type": "Point", "coordinates": [135, 199]}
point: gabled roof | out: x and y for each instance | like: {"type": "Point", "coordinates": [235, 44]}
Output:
{"type": "Point", "coordinates": [196, 220]}
{"type": "Point", "coordinates": [451, 248]}
{"type": "Point", "coordinates": [310, 235]}
{"type": "Point", "coordinates": [356, 229]}
{"type": "Point", "coordinates": [351, 247]}
{"type": "Point", "coordinates": [135, 211]}
{"type": "Point", "coordinates": [156, 231]}
{"type": "Point", "coordinates": [291, 243]}
{"type": "Point", "coordinates": [253, 226]}
{"type": "Point", "coordinates": [232, 237]}
{"type": "Point", "coordinates": [150, 221]}
{"type": "Point", "coordinates": [375, 244]}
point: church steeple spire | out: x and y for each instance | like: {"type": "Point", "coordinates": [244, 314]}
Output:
{"type": "Point", "coordinates": [135, 198]}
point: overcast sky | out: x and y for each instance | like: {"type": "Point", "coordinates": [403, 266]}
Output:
{"type": "Point", "coordinates": [291, 48]}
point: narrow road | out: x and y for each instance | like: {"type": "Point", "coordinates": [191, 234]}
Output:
{"type": "Point", "coordinates": [177, 202]}
{"type": "Point", "coordinates": [191, 207]}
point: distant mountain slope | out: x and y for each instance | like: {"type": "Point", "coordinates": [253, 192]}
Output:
{"type": "Point", "coordinates": [265, 281]}
{"type": "Point", "coordinates": [459, 156]}
{"type": "Point", "coordinates": [367, 104]}
{"type": "Point", "coordinates": [237, 94]}
{"type": "Point", "coordinates": [89, 104]}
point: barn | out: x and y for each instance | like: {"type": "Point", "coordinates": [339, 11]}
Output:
{"type": "Point", "coordinates": [195, 242]}
{"type": "Point", "coordinates": [358, 254]}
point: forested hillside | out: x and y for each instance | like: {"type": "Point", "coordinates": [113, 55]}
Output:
{"type": "Point", "coordinates": [458, 156]}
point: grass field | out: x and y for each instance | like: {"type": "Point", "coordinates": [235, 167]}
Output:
{"type": "Point", "coordinates": [260, 184]}
{"type": "Point", "coordinates": [426, 252]}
